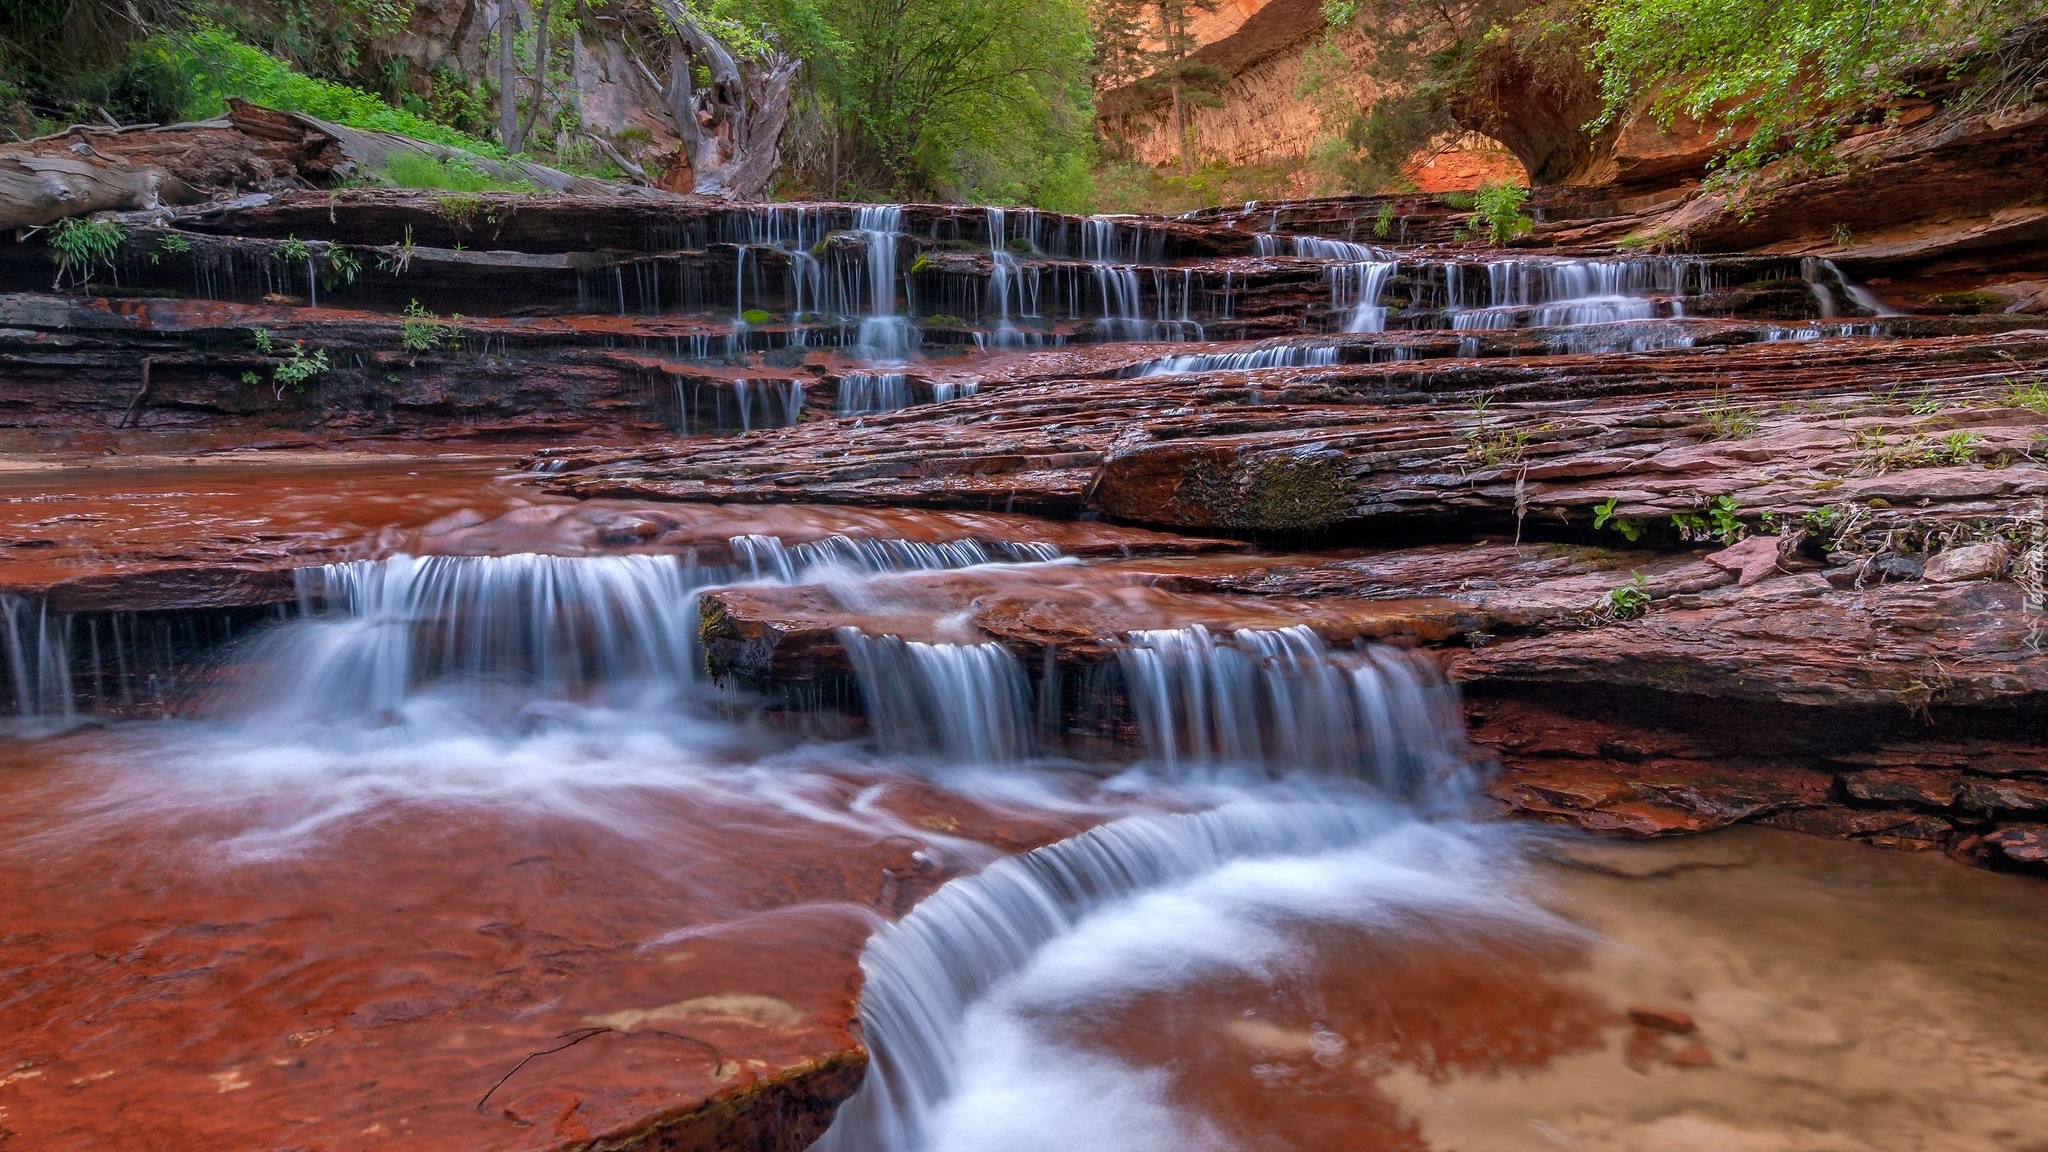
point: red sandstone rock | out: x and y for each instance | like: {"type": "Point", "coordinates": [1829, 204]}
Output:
{"type": "Point", "coordinates": [1670, 1020]}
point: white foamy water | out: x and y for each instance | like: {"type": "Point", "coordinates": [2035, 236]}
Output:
{"type": "Point", "coordinates": [967, 997]}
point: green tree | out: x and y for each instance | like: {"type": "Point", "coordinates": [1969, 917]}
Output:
{"type": "Point", "coordinates": [1775, 74]}
{"type": "Point", "coordinates": [965, 99]}
{"type": "Point", "coordinates": [1172, 69]}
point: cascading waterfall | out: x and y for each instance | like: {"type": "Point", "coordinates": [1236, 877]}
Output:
{"type": "Point", "coordinates": [1283, 700]}
{"type": "Point", "coordinates": [377, 633]}
{"type": "Point", "coordinates": [933, 1010]}
{"type": "Point", "coordinates": [867, 393]}
{"type": "Point", "coordinates": [380, 630]}
{"type": "Point", "coordinates": [1275, 356]}
{"type": "Point", "coordinates": [767, 557]}
{"type": "Point", "coordinates": [1563, 293]}
{"type": "Point", "coordinates": [1819, 274]}
{"type": "Point", "coordinates": [967, 703]}
{"type": "Point", "coordinates": [38, 661]}
{"type": "Point", "coordinates": [1355, 291]}
{"type": "Point", "coordinates": [884, 335]}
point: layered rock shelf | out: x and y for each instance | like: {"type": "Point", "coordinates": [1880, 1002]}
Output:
{"type": "Point", "coordinates": [1700, 521]}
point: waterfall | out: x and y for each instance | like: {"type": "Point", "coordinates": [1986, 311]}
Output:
{"type": "Point", "coordinates": [767, 557]}
{"type": "Point", "coordinates": [1273, 356]}
{"type": "Point", "coordinates": [884, 335]}
{"type": "Point", "coordinates": [967, 703]}
{"type": "Point", "coordinates": [960, 996]}
{"type": "Point", "coordinates": [1320, 248]}
{"type": "Point", "coordinates": [1818, 273]}
{"type": "Point", "coordinates": [38, 661]}
{"type": "Point", "coordinates": [1002, 276]}
{"type": "Point", "coordinates": [1355, 291]}
{"type": "Point", "coordinates": [376, 633]}
{"type": "Point", "coordinates": [863, 393]}
{"type": "Point", "coordinates": [1566, 293]}
{"type": "Point", "coordinates": [1282, 700]}
{"type": "Point", "coordinates": [379, 630]}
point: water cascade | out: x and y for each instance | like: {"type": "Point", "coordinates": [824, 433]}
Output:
{"type": "Point", "coordinates": [961, 1002]}
{"type": "Point", "coordinates": [966, 703]}
{"type": "Point", "coordinates": [377, 633]}
{"type": "Point", "coordinates": [38, 661]}
{"type": "Point", "coordinates": [1272, 356]}
{"type": "Point", "coordinates": [867, 393]}
{"type": "Point", "coordinates": [1355, 293]}
{"type": "Point", "coordinates": [885, 336]}
{"type": "Point", "coordinates": [1283, 700]}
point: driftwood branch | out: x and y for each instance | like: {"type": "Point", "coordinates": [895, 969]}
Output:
{"type": "Point", "coordinates": [617, 157]}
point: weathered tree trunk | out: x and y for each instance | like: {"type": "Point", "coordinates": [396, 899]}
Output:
{"type": "Point", "coordinates": [732, 128]}
{"type": "Point", "coordinates": [45, 180]}
{"type": "Point", "coordinates": [508, 79]}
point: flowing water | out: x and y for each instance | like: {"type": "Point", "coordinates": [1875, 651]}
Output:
{"type": "Point", "coordinates": [446, 837]}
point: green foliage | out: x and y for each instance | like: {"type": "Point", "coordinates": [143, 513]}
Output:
{"type": "Point", "coordinates": [757, 316]}
{"type": "Point", "coordinates": [1498, 210]}
{"type": "Point", "coordinates": [1384, 222]}
{"type": "Point", "coordinates": [422, 330]}
{"type": "Point", "coordinates": [174, 243]}
{"type": "Point", "coordinates": [265, 343]}
{"type": "Point", "coordinates": [1721, 521]}
{"type": "Point", "coordinates": [1604, 517]}
{"type": "Point", "coordinates": [984, 101]}
{"type": "Point", "coordinates": [81, 244]}
{"type": "Point", "coordinates": [1630, 601]}
{"type": "Point", "coordinates": [342, 267]}
{"type": "Point", "coordinates": [1729, 421]}
{"type": "Point", "coordinates": [190, 75]}
{"type": "Point", "coordinates": [294, 251]}
{"type": "Point", "coordinates": [419, 170]}
{"type": "Point", "coordinates": [1781, 68]}
{"type": "Point", "coordinates": [1955, 449]}
{"type": "Point", "coordinates": [298, 367]}
{"type": "Point", "coordinates": [2029, 394]}
{"type": "Point", "coordinates": [1494, 445]}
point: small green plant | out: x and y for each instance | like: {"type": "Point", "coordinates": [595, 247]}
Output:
{"type": "Point", "coordinates": [1729, 421]}
{"type": "Point", "coordinates": [1018, 244]}
{"type": "Point", "coordinates": [1496, 446]}
{"type": "Point", "coordinates": [1498, 211]}
{"type": "Point", "coordinates": [1956, 449]}
{"type": "Point", "coordinates": [294, 250]}
{"type": "Point", "coordinates": [1384, 222]}
{"type": "Point", "coordinates": [922, 262]}
{"type": "Point", "coordinates": [944, 320]}
{"type": "Point", "coordinates": [1721, 520]}
{"type": "Point", "coordinates": [2028, 394]}
{"type": "Point", "coordinates": [422, 330]}
{"type": "Point", "coordinates": [252, 378]}
{"type": "Point", "coordinates": [82, 244]}
{"type": "Point", "coordinates": [401, 256]}
{"type": "Point", "coordinates": [342, 267]}
{"type": "Point", "coordinates": [1928, 404]}
{"type": "Point", "coordinates": [1604, 517]}
{"type": "Point", "coordinates": [757, 316]}
{"type": "Point", "coordinates": [298, 367]}
{"type": "Point", "coordinates": [264, 343]}
{"type": "Point", "coordinates": [458, 208]}
{"type": "Point", "coordinates": [1630, 601]}
{"type": "Point", "coordinates": [170, 243]}
{"type": "Point", "coordinates": [1843, 237]}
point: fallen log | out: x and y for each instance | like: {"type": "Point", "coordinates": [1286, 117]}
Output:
{"type": "Point", "coordinates": [40, 185]}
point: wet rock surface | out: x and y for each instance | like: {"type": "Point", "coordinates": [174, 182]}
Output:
{"type": "Point", "coordinates": [1703, 539]}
